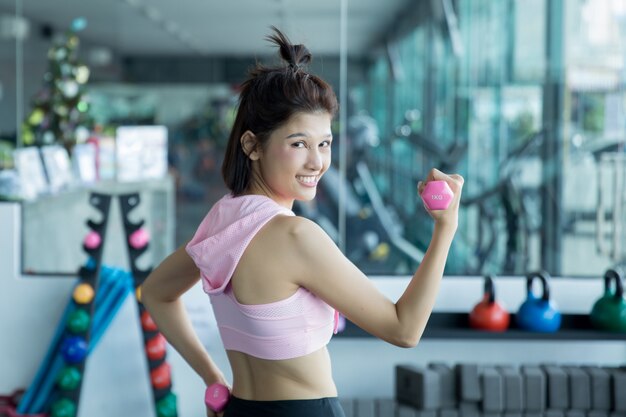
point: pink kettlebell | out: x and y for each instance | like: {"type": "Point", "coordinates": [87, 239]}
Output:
{"type": "Point", "coordinates": [139, 238]}
{"type": "Point", "coordinates": [437, 195]}
{"type": "Point", "coordinates": [92, 240]}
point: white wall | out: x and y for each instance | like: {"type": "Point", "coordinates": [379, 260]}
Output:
{"type": "Point", "coordinates": [30, 309]}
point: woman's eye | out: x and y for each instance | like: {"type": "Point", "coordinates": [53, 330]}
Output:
{"type": "Point", "coordinates": [298, 145]}
{"type": "Point", "coordinates": [325, 144]}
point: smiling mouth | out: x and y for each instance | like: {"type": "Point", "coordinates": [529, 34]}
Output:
{"type": "Point", "coordinates": [307, 180]}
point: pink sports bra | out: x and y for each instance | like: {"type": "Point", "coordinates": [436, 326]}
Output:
{"type": "Point", "coordinates": [285, 329]}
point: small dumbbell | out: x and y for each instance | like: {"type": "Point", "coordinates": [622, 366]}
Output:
{"type": "Point", "coordinates": [216, 397]}
{"type": "Point", "coordinates": [437, 195]}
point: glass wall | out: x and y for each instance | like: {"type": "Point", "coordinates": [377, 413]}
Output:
{"type": "Point", "coordinates": [525, 99]}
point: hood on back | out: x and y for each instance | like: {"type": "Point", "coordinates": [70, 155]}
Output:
{"type": "Point", "coordinates": [224, 235]}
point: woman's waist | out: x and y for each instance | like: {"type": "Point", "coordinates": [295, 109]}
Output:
{"type": "Point", "coordinates": [307, 377]}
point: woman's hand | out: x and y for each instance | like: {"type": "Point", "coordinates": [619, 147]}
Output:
{"type": "Point", "coordinates": [450, 216]}
{"type": "Point", "coordinates": [219, 378]}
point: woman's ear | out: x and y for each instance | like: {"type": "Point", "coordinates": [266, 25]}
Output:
{"type": "Point", "coordinates": [250, 145]}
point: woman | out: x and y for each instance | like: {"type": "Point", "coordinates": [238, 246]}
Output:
{"type": "Point", "coordinates": [276, 280]}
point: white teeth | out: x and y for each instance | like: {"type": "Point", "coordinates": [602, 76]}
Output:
{"type": "Point", "coordinates": [307, 180]}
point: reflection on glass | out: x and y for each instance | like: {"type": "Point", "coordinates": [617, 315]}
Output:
{"type": "Point", "coordinates": [465, 91]}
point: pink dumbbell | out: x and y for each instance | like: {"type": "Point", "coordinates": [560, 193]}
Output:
{"type": "Point", "coordinates": [216, 397]}
{"type": "Point", "coordinates": [139, 238]}
{"type": "Point", "coordinates": [92, 240]}
{"type": "Point", "coordinates": [437, 195]}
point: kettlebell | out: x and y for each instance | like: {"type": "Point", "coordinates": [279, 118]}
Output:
{"type": "Point", "coordinates": [609, 311]}
{"type": "Point", "coordinates": [488, 314]}
{"type": "Point", "coordinates": [538, 314]}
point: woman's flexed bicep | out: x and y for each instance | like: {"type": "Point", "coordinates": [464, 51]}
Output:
{"type": "Point", "coordinates": [320, 267]}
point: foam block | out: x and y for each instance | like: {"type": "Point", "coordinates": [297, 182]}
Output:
{"type": "Point", "coordinates": [579, 388]}
{"type": "Point", "coordinates": [513, 389]}
{"type": "Point", "coordinates": [600, 381]}
{"type": "Point", "coordinates": [493, 390]}
{"type": "Point", "coordinates": [534, 388]}
{"type": "Point", "coordinates": [386, 407]}
{"type": "Point", "coordinates": [447, 384]}
{"type": "Point", "coordinates": [468, 382]}
{"type": "Point", "coordinates": [558, 387]}
{"type": "Point", "coordinates": [364, 407]}
{"type": "Point", "coordinates": [619, 390]}
{"type": "Point", "coordinates": [417, 387]}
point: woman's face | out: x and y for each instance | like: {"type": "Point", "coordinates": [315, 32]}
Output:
{"type": "Point", "coordinates": [294, 159]}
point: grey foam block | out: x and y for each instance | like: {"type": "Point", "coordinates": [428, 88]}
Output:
{"type": "Point", "coordinates": [427, 413]}
{"type": "Point", "coordinates": [493, 390]}
{"type": "Point", "coordinates": [386, 407]}
{"type": "Point", "coordinates": [579, 388]}
{"type": "Point", "coordinates": [534, 388]}
{"type": "Point", "coordinates": [488, 414]}
{"type": "Point", "coordinates": [532, 414]}
{"type": "Point", "coordinates": [468, 382]}
{"type": "Point", "coordinates": [596, 413]}
{"type": "Point", "coordinates": [558, 387]}
{"type": "Point", "coordinates": [364, 407]}
{"type": "Point", "coordinates": [469, 409]}
{"type": "Point", "coordinates": [619, 390]}
{"type": "Point", "coordinates": [348, 406]}
{"type": "Point", "coordinates": [554, 413]}
{"type": "Point", "coordinates": [418, 387]}
{"type": "Point", "coordinates": [575, 413]}
{"type": "Point", "coordinates": [512, 414]}
{"type": "Point", "coordinates": [513, 389]}
{"type": "Point", "coordinates": [600, 380]}
{"type": "Point", "coordinates": [447, 384]}
{"type": "Point", "coordinates": [448, 412]}
{"type": "Point", "coordinates": [405, 411]}
{"type": "Point", "coordinates": [617, 414]}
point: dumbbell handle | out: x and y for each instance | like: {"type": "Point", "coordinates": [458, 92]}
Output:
{"type": "Point", "coordinates": [216, 397]}
{"type": "Point", "coordinates": [437, 195]}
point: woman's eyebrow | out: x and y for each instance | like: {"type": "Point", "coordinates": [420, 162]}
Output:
{"type": "Point", "coordinates": [303, 134]}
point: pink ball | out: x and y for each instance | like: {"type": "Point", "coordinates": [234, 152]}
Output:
{"type": "Point", "coordinates": [139, 238]}
{"type": "Point", "coordinates": [92, 240]}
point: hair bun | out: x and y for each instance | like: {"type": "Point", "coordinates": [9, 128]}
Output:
{"type": "Point", "coordinates": [295, 55]}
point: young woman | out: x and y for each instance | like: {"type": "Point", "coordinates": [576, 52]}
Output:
{"type": "Point", "coordinates": [276, 280]}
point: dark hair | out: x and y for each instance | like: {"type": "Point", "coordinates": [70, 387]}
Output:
{"type": "Point", "coordinates": [268, 98]}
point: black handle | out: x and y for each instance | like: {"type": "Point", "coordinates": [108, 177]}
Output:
{"type": "Point", "coordinates": [614, 275]}
{"type": "Point", "coordinates": [489, 289]}
{"type": "Point", "coordinates": [544, 277]}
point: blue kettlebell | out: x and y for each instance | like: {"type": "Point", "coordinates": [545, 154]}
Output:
{"type": "Point", "coordinates": [538, 314]}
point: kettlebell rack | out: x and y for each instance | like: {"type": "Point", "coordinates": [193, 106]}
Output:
{"type": "Point", "coordinates": [536, 319]}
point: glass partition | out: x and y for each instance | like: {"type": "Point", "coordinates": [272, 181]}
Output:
{"type": "Point", "coordinates": [525, 99]}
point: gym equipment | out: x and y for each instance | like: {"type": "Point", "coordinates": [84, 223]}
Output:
{"type": "Point", "coordinates": [56, 387]}
{"type": "Point", "coordinates": [139, 238]}
{"type": "Point", "coordinates": [78, 322]}
{"type": "Point", "coordinates": [166, 406]}
{"type": "Point", "coordinates": [92, 240]}
{"type": "Point", "coordinates": [147, 324]}
{"type": "Point", "coordinates": [155, 348]}
{"type": "Point", "coordinates": [437, 195]}
{"type": "Point", "coordinates": [83, 293]}
{"type": "Point", "coordinates": [538, 314]}
{"type": "Point", "coordinates": [74, 349]}
{"type": "Point", "coordinates": [609, 311]}
{"type": "Point", "coordinates": [63, 408]}
{"type": "Point", "coordinates": [69, 378]}
{"type": "Point", "coordinates": [418, 387]}
{"type": "Point", "coordinates": [488, 314]}
{"type": "Point", "coordinates": [216, 397]}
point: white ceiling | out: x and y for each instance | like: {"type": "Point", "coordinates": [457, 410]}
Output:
{"type": "Point", "coordinates": [220, 27]}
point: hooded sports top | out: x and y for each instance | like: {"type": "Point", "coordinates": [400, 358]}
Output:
{"type": "Point", "coordinates": [289, 328]}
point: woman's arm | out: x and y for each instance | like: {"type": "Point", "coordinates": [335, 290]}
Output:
{"type": "Point", "coordinates": [321, 267]}
{"type": "Point", "coordinates": [160, 294]}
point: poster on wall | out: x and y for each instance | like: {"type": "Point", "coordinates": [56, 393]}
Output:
{"type": "Point", "coordinates": [141, 152]}
{"type": "Point", "coordinates": [31, 173]}
{"type": "Point", "coordinates": [57, 163]}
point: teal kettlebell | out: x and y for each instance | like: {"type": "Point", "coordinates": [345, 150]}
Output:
{"type": "Point", "coordinates": [538, 314]}
{"type": "Point", "coordinates": [609, 312]}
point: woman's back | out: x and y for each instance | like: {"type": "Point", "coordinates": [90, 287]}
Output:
{"type": "Point", "coordinates": [264, 276]}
